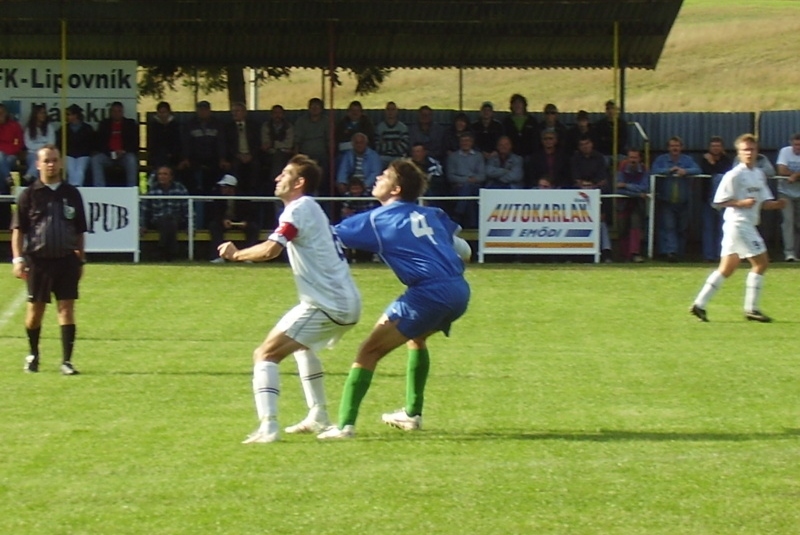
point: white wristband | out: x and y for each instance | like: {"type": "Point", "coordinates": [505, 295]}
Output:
{"type": "Point", "coordinates": [18, 260]}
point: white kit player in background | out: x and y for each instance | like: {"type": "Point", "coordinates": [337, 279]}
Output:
{"type": "Point", "coordinates": [743, 193]}
{"type": "Point", "coordinates": [330, 304]}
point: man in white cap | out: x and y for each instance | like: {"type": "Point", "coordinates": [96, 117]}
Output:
{"type": "Point", "coordinates": [231, 214]}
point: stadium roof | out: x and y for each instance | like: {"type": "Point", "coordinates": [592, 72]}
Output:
{"type": "Point", "coordinates": [352, 33]}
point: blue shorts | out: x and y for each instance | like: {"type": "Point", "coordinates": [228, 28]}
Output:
{"type": "Point", "coordinates": [429, 308]}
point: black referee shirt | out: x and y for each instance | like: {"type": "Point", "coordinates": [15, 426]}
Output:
{"type": "Point", "coordinates": [50, 220]}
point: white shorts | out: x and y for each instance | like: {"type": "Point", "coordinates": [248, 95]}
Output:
{"type": "Point", "coordinates": [310, 326]}
{"type": "Point", "coordinates": [741, 240]}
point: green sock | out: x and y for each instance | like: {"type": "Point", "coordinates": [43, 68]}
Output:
{"type": "Point", "coordinates": [419, 363]}
{"type": "Point", "coordinates": [355, 388]}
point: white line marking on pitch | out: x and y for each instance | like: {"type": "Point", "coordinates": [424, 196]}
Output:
{"type": "Point", "coordinates": [12, 308]}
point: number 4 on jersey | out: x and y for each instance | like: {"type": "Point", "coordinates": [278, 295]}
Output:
{"type": "Point", "coordinates": [420, 227]}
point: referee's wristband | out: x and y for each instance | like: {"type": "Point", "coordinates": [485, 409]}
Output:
{"type": "Point", "coordinates": [18, 260]}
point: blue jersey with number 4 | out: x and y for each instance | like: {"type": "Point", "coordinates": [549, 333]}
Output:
{"type": "Point", "coordinates": [415, 241]}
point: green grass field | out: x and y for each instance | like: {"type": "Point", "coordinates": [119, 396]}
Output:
{"type": "Point", "coordinates": [570, 399]}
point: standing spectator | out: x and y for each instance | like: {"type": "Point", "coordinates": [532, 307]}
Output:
{"type": "Point", "coordinates": [80, 144]}
{"type": "Point", "coordinates": [633, 181]}
{"type": "Point", "coordinates": [330, 304]}
{"type": "Point", "coordinates": [715, 163]}
{"type": "Point", "coordinates": [487, 130]}
{"type": "Point", "coordinates": [356, 121]}
{"type": "Point", "coordinates": [38, 133]}
{"type": "Point", "coordinates": [466, 173]}
{"type": "Point", "coordinates": [581, 128]}
{"type": "Point", "coordinates": [359, 162]}
{"type": "Point", "coordinates": [552, 124]}
{"type": "Point", "coordinates": [604, 131]}
{"type": "Point", "coordinates": [589, 171]}
{"type": "Point", "coordinates": [167, 216]}
{"type": "Point", "coordinates": [391, 136]}
{"type": "Point", "coordinates": [550, 162]}
{"type": "Point", "coordinates": [521, 127]}
{"type": "Point", "coordinates": [163, 138]}
{"type": "Point", "coordinates": [47, 242]}
{"type": "Point", "coordinates": [743, 193]}
{"type": "Point", "coordinates": [427, 132]}
{"type": "Point", "coordinates": [789, 189]}
{"type": "Point", "coordinates": [11, 144]}
{"type": "Point", "coordinates": [277, 141]}
{"type": "Point", "coordinates": [117, 145]}
{"type": "Point", "coordinates": [504, 168]}
{"type": "Point", "coordinates": [453, 136]}
{"type": "Point", "coordinates": [419, 244]}
{"type": "Point", "coordinates": [311, 139]}
{"type": "Point", "coordinates": [672, 198]}
{"type": "Point", "coordinates": [243, 142]}
{"type": "Point", "coordinates": [203, 150]}
{"type": "Point", "coordinates": [230, 214]}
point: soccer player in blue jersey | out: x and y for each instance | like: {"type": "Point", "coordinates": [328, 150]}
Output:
{"type": "Point", "coordinates": [420, 246]}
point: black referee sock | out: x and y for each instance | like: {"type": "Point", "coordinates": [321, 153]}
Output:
{"type": "Point", "coordinates": [67, 341]}
{"type": "Point", "coordinates": [33, 340]}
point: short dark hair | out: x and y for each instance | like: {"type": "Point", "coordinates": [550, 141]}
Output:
{"type": "Point", "coordinates": [517, 96]}
{"type": "Point", "coordinates": [163, 104]}
{"type": "Point", "coordinates": [309, 170]}
{"type": "Point", "coordinates": [715, 139]}
{"type": "Point", "coordinates": [411, 180]}
{"type": "Point", "coordinates": [315, 100]}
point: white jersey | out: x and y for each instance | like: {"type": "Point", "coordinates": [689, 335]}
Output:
{"type": "Point", "coordinates": [787, 157]}
{"type": "Point", "coordinates": [320, 268]}
{"type": "Point", "coordinates": [740, 183]}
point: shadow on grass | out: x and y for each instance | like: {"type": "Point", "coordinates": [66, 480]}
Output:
{"type": "Point", "coordinates": [614, 435]}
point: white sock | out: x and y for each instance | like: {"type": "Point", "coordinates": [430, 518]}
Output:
{"type": "Point", "coordinates": [713, 283]}
{"type": "Point", "coordinates": [309, 367]}
{"type": "Point", "coordinates": [266, 389]}
{"type": "Point", "coordinates": [752, 291]}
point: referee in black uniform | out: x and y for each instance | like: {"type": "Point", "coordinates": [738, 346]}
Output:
{"type": "Point", "coordinates": [48, 244]}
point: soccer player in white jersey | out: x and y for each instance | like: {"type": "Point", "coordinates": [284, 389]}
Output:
{"type": "Point", "coordinates": [330, 304]}
{"type": "Point", "coordinates": [419, 244]}
{"type": "Point", "coordinates": [743, 193]}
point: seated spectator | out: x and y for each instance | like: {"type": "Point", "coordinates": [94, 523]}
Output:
{"type": "Point", "coordinates": [487, 130]}
{"type": "Point", "coordinates": [789, 189]}
{"type": "Point", "coordinates": [581, 128]}
{"type": "Point", "coordinates": [427, 132]}
{"type": "Point", "coordinates": [672, 198]}
{"type": "Point", "coordinates": [432, 168]}
{"type": "Point", "coordinates": [117, 145]}
{"type": "Point", "coordinates": [544, 182]}
{"type": "Point", "coordinates": [163, 138]}
{"type": "Point", "coordinates": [38, 133]}
{"type": "Point", "coordinates": [356, 121]}
{"type": "Point", "coordinates": [391, 136]}
{"type": "Point", "coordinates": [521, 127]}
{"type": "Point", "coordinates": [633, 181]}
{"type": "Point", "coordinates": [504, 168]}
{"type": "Point", "coordinates": [715, 163]}
{"type": "Point", "coordinates": [603, 131]}
{"type": "Point", "coordinates": [589, 171]}
{"type": "Point", "coordinates": [231, 214]}
{"type": "Point", "coordinates": [277, 142]}
{"type": "Point", "coordinates": [167, 216]}
{"type": "Point", "coordinates": [551, 161]}
{"type": "Point", "coordinates": [80, 144]}
{"type": "Point", "coordinates": [452, 137]}
{"type": "Point", "coordinates": [360, 162]}
{"type": "Point", "coordinates": [359, 199]}
{"type": "Point", "coordinates": [466, 173]}
{"type": "Point", "coordinates": [552, 124]}
{"type": "Point", "coordinates": [203, 150]}
{"type": "Point", "coordinates": [11, 144]}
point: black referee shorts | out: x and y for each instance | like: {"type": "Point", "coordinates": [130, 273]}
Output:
{"type": "Point", "coordinates": [58, 276]}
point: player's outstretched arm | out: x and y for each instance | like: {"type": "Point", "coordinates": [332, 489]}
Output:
{"type": "Point", "coordinates": [266, 250]}
{"type": "Point", "coordinates": [774, 204]}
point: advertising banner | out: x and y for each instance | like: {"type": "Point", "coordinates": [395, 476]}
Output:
{"type": "Point", "coordinates": [555, 222]}
{"type": "Point", "coordinates": [112, 215]}
{"type": "Point", "coordinates": [91, 84]}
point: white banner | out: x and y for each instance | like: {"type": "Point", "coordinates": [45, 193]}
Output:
{"type": "Point", "coordinates": [112, 215]}
{"type": "Point", "coordinates": [538, 221]}
{"type": "Point", "coordinates": [91, 84]}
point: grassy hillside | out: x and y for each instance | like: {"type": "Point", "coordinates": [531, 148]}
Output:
{"type": "Point", "coordinates": [734, 55]}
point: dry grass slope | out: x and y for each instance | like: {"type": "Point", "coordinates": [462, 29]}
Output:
{"type": "Point", "coordinates": [721, 56]}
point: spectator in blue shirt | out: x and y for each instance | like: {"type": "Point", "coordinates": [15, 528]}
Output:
{"type": "Point", "coordinates": [633, 181]}
{"type": "Point", "coordinates": [359, 162]}
{"type": "Point", "coordinates": [165, 215]}
{"type": "Point", "coordinates": [466, 173]}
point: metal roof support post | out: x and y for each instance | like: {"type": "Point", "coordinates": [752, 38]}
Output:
{"type": "Point", "coordinates": [461, 89]}
{"type": "Point", "coordinates": [64, 85]}
{"type": "Point", "coordinates": [331, 118]}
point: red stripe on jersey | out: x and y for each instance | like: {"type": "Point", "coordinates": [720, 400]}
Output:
{"type": "Point", "coordinates": [287, 230]}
